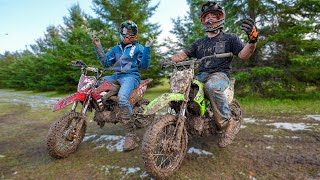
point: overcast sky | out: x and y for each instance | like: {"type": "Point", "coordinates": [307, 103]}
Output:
{"type": "Point", "coordinates": [22, 22]}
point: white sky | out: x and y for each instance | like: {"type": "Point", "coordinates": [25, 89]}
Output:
{"type": "Point", "coordinates": [22, 22]}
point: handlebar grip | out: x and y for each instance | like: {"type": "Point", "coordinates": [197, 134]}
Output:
{"type": "Point", "coordinates": [184, 63]}
{"type": "Point", "coordinates": [75, 65]}
{"type": "Point", "coordinates": [92, 69]}
{"type": "Point", "coordinates": [224, 55]}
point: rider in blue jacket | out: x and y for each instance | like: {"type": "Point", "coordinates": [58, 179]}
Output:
{"type": "Point", "coordinates": [126, 57]}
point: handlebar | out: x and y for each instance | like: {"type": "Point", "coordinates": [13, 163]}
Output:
{"type": "Point", "coordinates": [188, 63]}
{"type": "Point", "coordinates": [77, 63]}
{"type": "Point", "coordinates": [83, 66]}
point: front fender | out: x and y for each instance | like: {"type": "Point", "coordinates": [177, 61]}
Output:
{"type": "Point", "coordinates": [62, 103]}
{"type": "Point", "coordinates": [161, 101]}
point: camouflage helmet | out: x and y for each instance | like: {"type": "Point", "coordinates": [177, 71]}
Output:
{"type": "Point", "coordinates": [213, 8]}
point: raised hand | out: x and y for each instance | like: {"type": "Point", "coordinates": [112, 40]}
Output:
{"type": "Point", "coordinates": [249, 27]}
{"type": "Point", "coordinates": [150, 42]}
{"type": "Point", "coordinates": [96, 41]}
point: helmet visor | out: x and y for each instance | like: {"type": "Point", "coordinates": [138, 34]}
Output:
{"type": "Point", "coordinates": [128, 28]}
{"type": "Point", "coordinates": [127, 32]}
{"type": "Point", "coordinates": [212, 17]}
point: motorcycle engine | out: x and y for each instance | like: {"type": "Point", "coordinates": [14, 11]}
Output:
{"type": "Point", "coordinates": [201, 126]}
{"type": "Point", "coordinates": [110, 114]}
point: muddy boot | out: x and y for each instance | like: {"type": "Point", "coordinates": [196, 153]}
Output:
{"type": "Point", "coordinates": [131, 140]}
{"type": "Point", "coordinates": [226, 137]}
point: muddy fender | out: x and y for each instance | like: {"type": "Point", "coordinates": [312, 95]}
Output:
{"type": "Point", "coordinates": [62, 103]}
{"type": "Point", "coordinates": [162, 101]}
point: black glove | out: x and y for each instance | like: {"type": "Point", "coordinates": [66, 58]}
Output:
{"type": "Point", "coordinates": [78, 63]}
{"type": "Point", "coordinates": [249, 27]}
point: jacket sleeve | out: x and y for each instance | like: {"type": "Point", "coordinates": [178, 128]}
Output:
{"type": "Point", "coordinates": [144, 57]}
{"type": "Point", "coordinates": [107, 59]}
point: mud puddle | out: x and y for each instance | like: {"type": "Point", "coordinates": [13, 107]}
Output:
{"type": "Point", "coordinates": [12, 97]}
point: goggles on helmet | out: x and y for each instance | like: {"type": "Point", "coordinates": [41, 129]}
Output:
{"type": "Point", "coordinates": [216, 19]}
{"type": "Point", "coordinates": [128, 31]}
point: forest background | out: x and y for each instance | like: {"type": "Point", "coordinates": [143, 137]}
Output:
{"type": "Point", "coordinates": [286, 63]}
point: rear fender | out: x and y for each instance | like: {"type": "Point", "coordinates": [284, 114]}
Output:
{"type": "Point", "coordinates": [64, 102]}
{"type": "Point", "coordinates": [138, 93]}
{"type": "Point", "coordinates": [162, 101]}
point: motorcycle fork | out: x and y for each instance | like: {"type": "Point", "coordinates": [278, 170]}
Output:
{"type": "Point", "coordinates": [74, 106]}
{"type": "Point", "coordinates": [180, 126]}
{"type": "Point", "coordinates": [83, 112]}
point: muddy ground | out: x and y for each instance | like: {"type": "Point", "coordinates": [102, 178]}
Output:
{"type": "Point", "coordinates": [269, 146]}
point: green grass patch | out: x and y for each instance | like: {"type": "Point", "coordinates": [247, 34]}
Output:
{"type": "Point", "coordinates": [156, 91]}
{"type": "Point", "coordinates": [262, 106]}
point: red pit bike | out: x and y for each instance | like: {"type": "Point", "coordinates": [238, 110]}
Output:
{"type": "Point", "coordinates": [66, 134]}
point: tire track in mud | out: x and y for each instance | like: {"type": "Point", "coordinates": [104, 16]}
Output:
{"type": "Point", "coordinates": [287, 153]}
{"type": "Point", "coordinates": [12, 117]}
{"type": "Point", "coordinates": [19, 117]}
{"type": "Point", "coordinates": [22, 144]}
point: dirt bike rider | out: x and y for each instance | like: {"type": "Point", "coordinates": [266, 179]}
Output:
{"type": "Point", "coordinates": [127, 57]}
{"type": "Point", "coordinates": [215, 73]}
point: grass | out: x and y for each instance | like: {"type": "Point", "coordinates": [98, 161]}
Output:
{"type": "Point", "coordinates": [154, 92]}
{"type": "Point", "coordinates": [269, 106]}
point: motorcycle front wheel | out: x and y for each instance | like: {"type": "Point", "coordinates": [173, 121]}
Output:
{"type": "Point", "coordinates": [161, 152]}
{"type": "Point", "coordinates": [63, 138]}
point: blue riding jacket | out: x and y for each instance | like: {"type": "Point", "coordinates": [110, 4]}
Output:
{"type": "Point", "coordinates": [126, 60]}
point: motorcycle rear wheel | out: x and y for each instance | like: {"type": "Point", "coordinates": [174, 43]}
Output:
{"type": "Point", "coordinates": [162, 159]}
{"type": "Point", "coordinates": [62, 138]}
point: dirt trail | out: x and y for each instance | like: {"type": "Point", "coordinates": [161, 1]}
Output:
{"type": "Point", "coordinates": [273, 147]}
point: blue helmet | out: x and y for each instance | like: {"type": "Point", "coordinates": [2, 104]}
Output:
{"type": "Point", "coordinates": [128, 31]}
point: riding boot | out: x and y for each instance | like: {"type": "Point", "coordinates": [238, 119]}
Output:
{"type": "Point", "coordinates": [227, 136]}
{"type": "Point", "coordinates": [131, 140]}
{"type": "Point", "coordinates": [221, 122]}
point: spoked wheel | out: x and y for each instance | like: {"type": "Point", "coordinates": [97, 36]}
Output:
{"type": "Point", "coordinates": [63, 138]}
{"type": "Point", "coordinates": [161, 151]}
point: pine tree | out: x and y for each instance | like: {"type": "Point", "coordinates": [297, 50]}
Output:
{"type": "Point", "coordinates": [186, 29]}
{"type": "Point", "coordinates": [61, 45]}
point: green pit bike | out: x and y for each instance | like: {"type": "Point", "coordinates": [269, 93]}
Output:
{"type": "Point", "coordinates": [189, 113]}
